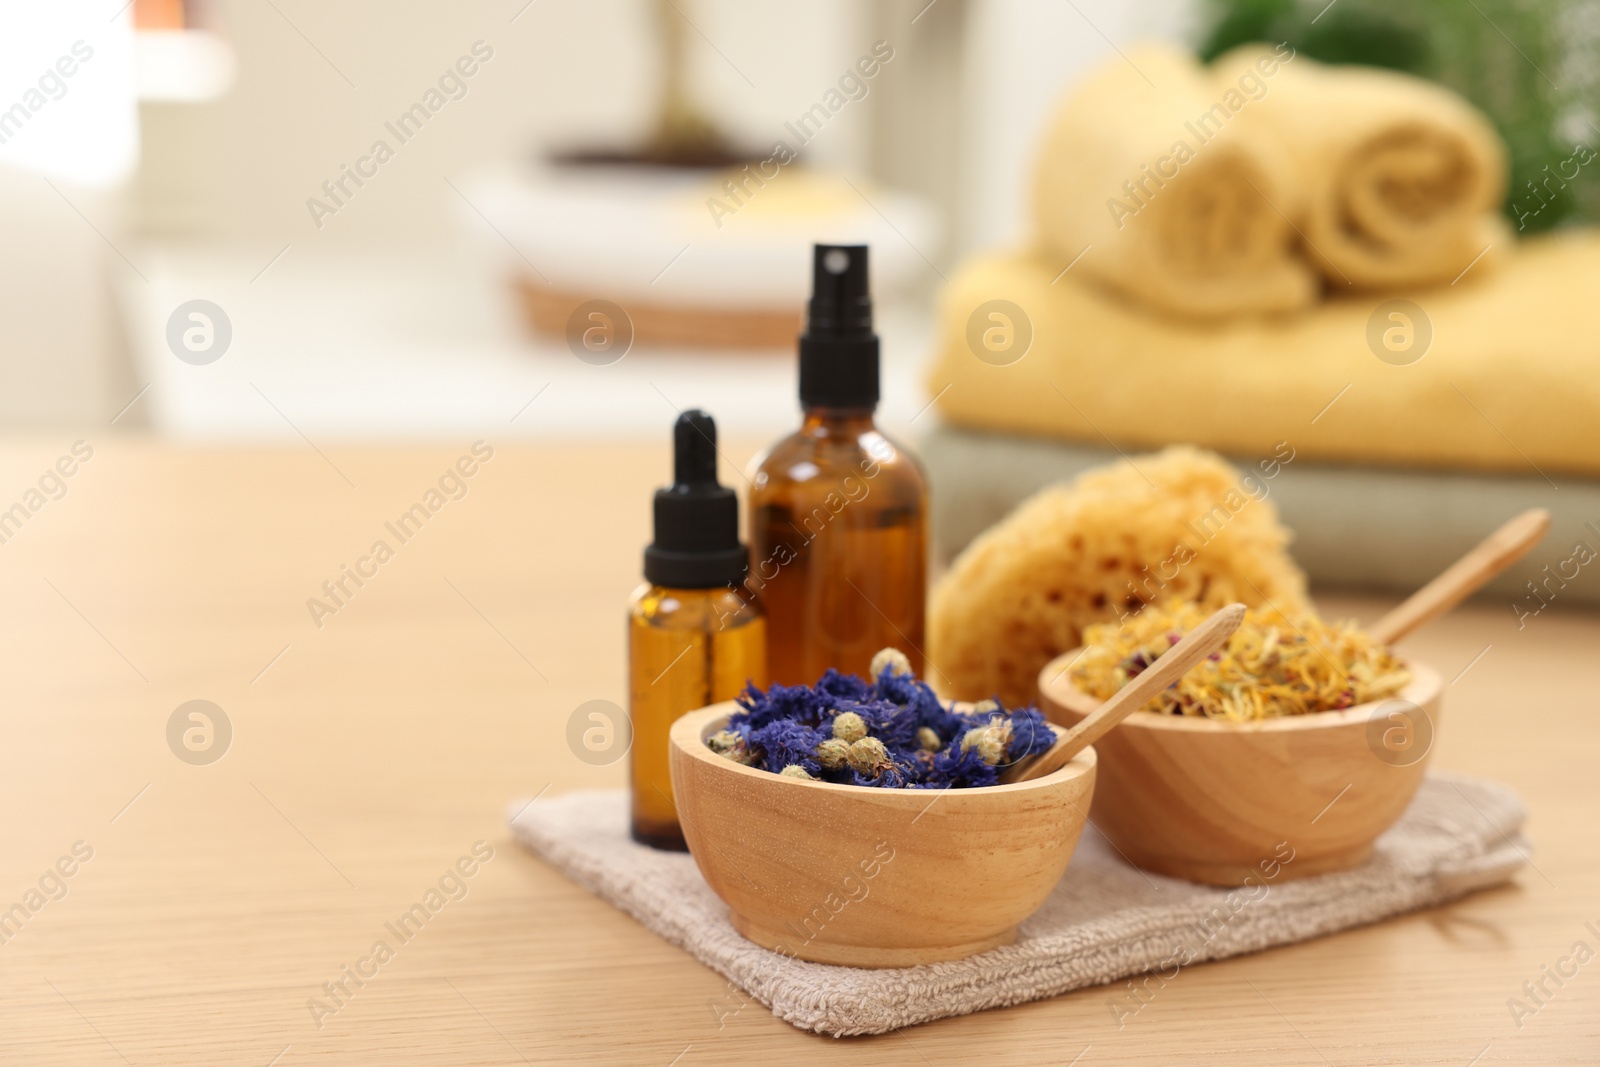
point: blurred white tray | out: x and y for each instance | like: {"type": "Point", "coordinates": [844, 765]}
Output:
{"type": "Point", "coordinates": [361, 349]}
{"type": "Point", "coordinates": [649, 234]}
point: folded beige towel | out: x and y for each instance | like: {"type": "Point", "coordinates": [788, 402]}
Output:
{"type": "Point", "coordinates": [1105, 921]}
{"type": "Point", "coordinates": [1141, 176]}
{"type": "Point", "coordinates": [1402, 180]}
{"type": "Point", "coordinates": [1503, 372]}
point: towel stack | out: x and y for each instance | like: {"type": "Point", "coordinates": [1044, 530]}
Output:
{"type": "Point", "coordinates": [1269, 250]}
{"type": "Point", "coordinates": [1269, 257]}
{"type": "Point", "coordinates": [1236, 189]}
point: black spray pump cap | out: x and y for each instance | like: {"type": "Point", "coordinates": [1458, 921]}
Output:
{"type": "Point", "coordinates": [839, 351]}
{"type": "Point", "coordinates": [697, 520]}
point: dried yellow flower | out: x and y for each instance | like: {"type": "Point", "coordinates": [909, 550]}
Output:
{"type": "Point", "coordinates": [1273, 665]}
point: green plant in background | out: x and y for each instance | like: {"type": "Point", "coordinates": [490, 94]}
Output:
{"type": "Point", "coordinates": [1530, 65]}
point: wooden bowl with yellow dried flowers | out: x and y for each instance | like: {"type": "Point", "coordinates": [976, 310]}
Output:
{"type": "Point", "coordinates": [1218, 779]}
{"type": "Point", "coordinates": [1285, 756]}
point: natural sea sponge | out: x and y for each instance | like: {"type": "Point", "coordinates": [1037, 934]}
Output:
{"type": "Point", "coordinates": [1182, 523]}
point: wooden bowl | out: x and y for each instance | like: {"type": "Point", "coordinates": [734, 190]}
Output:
{"type": "Point", "coordinates": [1218, 802]}
{"type": "Point", "coordinates": [872, 877]}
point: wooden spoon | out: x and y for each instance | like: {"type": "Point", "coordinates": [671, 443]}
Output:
{"type": "Point", "coordinates": [1464, 577]}
{"type": "Point", "coordinates": [1172, 665]}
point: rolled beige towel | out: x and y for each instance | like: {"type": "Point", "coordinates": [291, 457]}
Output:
{"type": "Point", "coordinates": [1402, 179]}
{"type": "Point", "coordinates": [1143, 175]}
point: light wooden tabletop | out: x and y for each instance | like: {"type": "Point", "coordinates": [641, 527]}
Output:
{"type": "Point", "coordinates": [370, 753]}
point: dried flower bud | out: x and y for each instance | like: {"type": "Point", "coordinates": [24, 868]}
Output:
{"type": "Point", "coordinates": [1003, 725]}
{"type": "Point", "coordinates": [986, 707]}
{"type": "Point", "coordinates": [869, 756]}
{"type": "Point", "coordinates": [794, 770]}
{"type": "Point", "coordinates": [992, 747]}
{"type": "Point", "coordinates": [990, 741]}
{"type": "Point", "coordinates": [849, 727]}
{"type": "Point", "coordinates": [892, 660]}
{"type": "Point", "coordinates": [928, 738]}
{"type": "Point", "coordinates": [833, 753]}
{"type": "Point", "coordinates": [729, 745]}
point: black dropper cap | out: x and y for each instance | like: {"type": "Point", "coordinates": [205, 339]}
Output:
{"type": "Point", "coordinates": [839, 351]}
{"type": "Point", "coordinates": [697, 520]}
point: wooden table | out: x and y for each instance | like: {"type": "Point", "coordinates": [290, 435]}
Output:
{"type": "Point", "coordinates": [370, 752]}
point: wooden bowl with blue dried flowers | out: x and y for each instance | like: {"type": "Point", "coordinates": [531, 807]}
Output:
{"type": "Point", "coordinates": [863, 823]}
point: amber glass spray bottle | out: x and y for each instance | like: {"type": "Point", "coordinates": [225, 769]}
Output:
{"type": "Point", "coordinates": [691, 640]}
{"type": "Point", "coordinates": [838, 512]}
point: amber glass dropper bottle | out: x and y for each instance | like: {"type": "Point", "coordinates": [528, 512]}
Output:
{"type": "Point", "coordinates": [692, 641]}
{"type": "Point", "coordinates": [838, 512]}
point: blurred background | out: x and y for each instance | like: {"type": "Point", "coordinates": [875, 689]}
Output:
{"type": "Point", "coordinates": [279, 221]}
{"type": "Point", "coordinates": [179, 162]}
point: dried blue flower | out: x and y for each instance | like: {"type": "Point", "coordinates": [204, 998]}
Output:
{"type": "Point", "coordinates": [783, 744]}
{"type": "Point", "coordinates": [890, 723]}
{"type": "Point", "coordinates": [794, 703]}
{"type": "Point", "coordinates": [844, 686]}
{"type": "Point", "coordinates": [1030, 734]}
{"type": "Point", "coordinates": [891, 732]}
{"type": "Point", "coordinates": [961, 768]}
{"type": "Point", "coordinates": [892, 776]}
{"type": "Point", "coordinates": [899, 688]}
